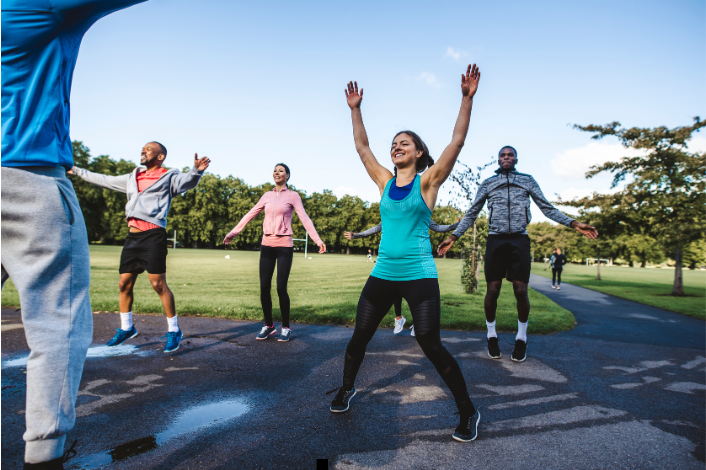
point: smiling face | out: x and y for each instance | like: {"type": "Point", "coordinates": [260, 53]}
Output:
{"type": "Point", "coordinates": [403, 152]}
{"type": "Point", "coordinates": [280, 175]}
{"type": "Point", "coordinates": [507, 159]}
{"type": "Point", "coordinates": [152, 155]}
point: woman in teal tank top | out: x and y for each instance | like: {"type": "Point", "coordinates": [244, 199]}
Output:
{"type": "Point", "coordinates": [405, 266]}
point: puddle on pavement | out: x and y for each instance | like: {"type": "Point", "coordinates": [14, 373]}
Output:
{"type": "Point", "coordinates": [97, 351]}
{"type": "Point", "coordinates": [191, 419]}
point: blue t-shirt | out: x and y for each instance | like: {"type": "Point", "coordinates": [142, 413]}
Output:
{"type": "Point", "coordinates": [40, 43]}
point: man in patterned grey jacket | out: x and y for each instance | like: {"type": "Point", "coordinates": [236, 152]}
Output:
{"type": "Point", "coordinates": [508, 253]}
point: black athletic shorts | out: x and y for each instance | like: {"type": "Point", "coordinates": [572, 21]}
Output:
{"type": "Point", "coordinates": [145, 251]}
{"type": "Point", "coordinates": [508, 256]}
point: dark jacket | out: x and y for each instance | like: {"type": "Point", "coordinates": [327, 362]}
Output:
{"type": "Point", "coordinates": [508, 195]}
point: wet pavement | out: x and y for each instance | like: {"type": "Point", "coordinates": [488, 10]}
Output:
{"type": "Point", "coordinates": [224, 400]}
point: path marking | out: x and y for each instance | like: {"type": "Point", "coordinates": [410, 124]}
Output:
{"type": "Point", "coordinates": [553, 418]}
{"type": "Point", "coordinates": [685, 387]}
{"type": "Point", "coordinates": [534, 370]}
{"type": "Point", "coordinates": [695, 362]}
{"type": "Point", "coordinates": [532, 401]}
{"type": "Point", "coordinates": [646, 365]}
{"type": "Point", "coordinates": [11, 326]}
{"type": "Point", "coordinates": [511, 389]}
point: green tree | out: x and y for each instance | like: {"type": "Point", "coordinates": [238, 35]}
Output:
{"type": "Point", "coordinates": [664, 194]}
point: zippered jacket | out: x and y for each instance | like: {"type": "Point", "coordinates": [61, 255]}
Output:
{"type": "Point", "coordinates": [278, 207]}
{"type": "Point", "coordinates": [508, 195]}
{"type": "Point", "coordinates": [432, 226]}
{"type": "Point", "coordinates": [152, 205]}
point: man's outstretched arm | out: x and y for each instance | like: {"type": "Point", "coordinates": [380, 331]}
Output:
{"type": "Point", "coordinates": [114, 183]}
{"type": "Point", "coordinates": [556, 215]}
{"type": "Point", "coordinates": [185, 181]}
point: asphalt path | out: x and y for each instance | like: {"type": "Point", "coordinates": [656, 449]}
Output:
{"type": "Point", "coordinates": [625, 389]}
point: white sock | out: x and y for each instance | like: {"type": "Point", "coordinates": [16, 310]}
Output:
{"type": "Point", "coordinates": [491, 329]}
{"type": "Point", "coordinates": [521, 331]}
{"type": "Point", "coordinates": [125, 321]}
{"type": "Point", "coordinates": [173, 324]}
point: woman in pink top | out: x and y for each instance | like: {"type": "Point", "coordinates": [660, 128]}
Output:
{"type": "Point", "coordinates": [277, 246]}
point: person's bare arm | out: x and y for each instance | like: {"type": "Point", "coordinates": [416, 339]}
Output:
{"type": "Point", "coordinates": [378, 173]}
{"type": "Point", "coordinates": [436, 175]}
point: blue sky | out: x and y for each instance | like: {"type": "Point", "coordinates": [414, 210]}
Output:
{"type": "Point", "coordinates": [251, 85]}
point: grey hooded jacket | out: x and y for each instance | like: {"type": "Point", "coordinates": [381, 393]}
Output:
{"type": "Point", "coordinates": [508, 195]}
{"type": "Point", "coordinates": [152, 205]}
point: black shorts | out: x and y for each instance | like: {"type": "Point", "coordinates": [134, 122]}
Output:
{"type": "Point", "coordinates": [509, 257]}
{"type": "Point", "coordinates": [145, 251]}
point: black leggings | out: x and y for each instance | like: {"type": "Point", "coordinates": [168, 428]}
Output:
{"type": "Point", "coordinates": [269, 255]}
{"type": "Point", "coordinates": [398, 307]}
{"type": "Point", "coordinates": [556, 273]}
{"type": "Point", "coordinates": [423, 298]}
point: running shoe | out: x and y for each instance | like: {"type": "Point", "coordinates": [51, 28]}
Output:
{"type": "Point", "coordinates": [553, 286]}
{"type": "Point", "coordinates": [173, 341]}
{"type": "Point", "coordinates": [121, 336]}
{"type": "Point", "coordinates": [285, 335]}
{"type": "Point", "coordinates": [493, 348]}
{"type": "Point", "coordinates": [558, 287]}
{"type": "Point", "coordinates": [399, 324]}
{"type": "Point", "coordinates": [342, 401]}
{"type": "Point", "coordinates": [411, 332]}
{"type": "Point", "coordinates": [266, 332]}
{"type": "Point", "coordinates": [520, 352]}
{"type": "Point", "coordinates": [467, 429]}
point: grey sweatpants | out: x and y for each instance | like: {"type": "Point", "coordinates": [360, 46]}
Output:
{"type": "Point", "coordinates": [45, 253]}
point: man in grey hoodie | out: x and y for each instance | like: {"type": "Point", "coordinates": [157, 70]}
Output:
{"type": "Point", "coordinates": [508, 252]}
{"type": "Point", "coordinates": [150, 189]}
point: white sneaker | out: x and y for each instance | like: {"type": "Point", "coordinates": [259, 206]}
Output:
{"type": "Point", "coordinates": [412, 331]}
{"type": "Point", "coordinates": [558, 288]}
{"type": "Point", "coordinates": [399, 324]}
{"type": "Point", "coordinates": [553, 287]}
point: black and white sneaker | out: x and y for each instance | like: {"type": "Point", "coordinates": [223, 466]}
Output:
{"type": "Point", "coordinates": [342, 401]}
{"type": "Point", "coordinates": [285, 335]}
{"type": "Point", "coordinates": [493, 348]}
{"type": "Point", "coordinates": [467, 429]}
{"type": "Point", "coordinates": [520, 352]}
{"type": "Point", "coordinates": [266, 332]}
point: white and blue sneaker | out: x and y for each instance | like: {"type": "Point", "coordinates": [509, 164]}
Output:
{"type": "Point", "coordinates": [121, 336]}
{"type": "Point", "coordinates": [266, 332]}
{"type": "Point", "coordinates": [411, 332]}
{"type": "Point", "coordinates": [399, 325]}
{"type": "Point", "coordinates": [173, 341]}
{"type": "Point", "coordinates": [285, 335]}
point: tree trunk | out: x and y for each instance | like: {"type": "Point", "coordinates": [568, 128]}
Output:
{"type": "Point", "coordinates": [678, 285]}
{"type": "Point", "coordinates": [478, 260]}
{"type": "Point", "coordinates": [348, 250]}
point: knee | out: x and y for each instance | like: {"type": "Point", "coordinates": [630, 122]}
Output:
{"type": "Point", "coordinates": [493, 293]}
{"type": "Point", "coordinates": [520, 292]}
{"type": "Point", "coordinates": [125, 286]}
{"type": "Point", "coordinates": [159, 286]}
{"type": "Point", "coordinates": [282, 291]}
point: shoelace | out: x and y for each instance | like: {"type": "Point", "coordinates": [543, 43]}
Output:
{"type": "Point", "coordinates": [170, 335]}
{"type": "Point", "coordinates": [470, 419]}
{"type": "Point", "coordinates": [264, 328]}
{"type": "Point", "coordinates": [69, 454]}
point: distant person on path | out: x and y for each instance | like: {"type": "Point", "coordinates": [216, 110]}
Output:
{"type": "Point", "coordinates": [405, 266]}
{"type": "Point", "coordinates": [399, 319]}
{"type": "Point", "coordinates": [508, 252]}
{"type": "Point", "coordinates": [370, 255]}
{"type": "Point", "coordinates": [277, 246]}
{"type": "Point", "coordinates": [44, 241]}
{"type": "Point", "coordinates": [150, 189]}
{"type": "Point", "coordinates": [557, 261]}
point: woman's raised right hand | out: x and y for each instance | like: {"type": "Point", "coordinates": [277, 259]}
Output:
{"type": "Point", "coordinates": [352, 96]}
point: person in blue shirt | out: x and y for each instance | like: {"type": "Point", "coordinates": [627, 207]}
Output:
{"type": "Point", "coordinates": [45, 246]}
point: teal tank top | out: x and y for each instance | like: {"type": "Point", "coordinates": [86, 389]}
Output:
{"type": "Point", "coordinates": [405, 251]}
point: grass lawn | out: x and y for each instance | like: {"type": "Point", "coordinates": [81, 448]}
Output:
{"type": "Point", "coordinates": [651, 286]}
{"type": "Point", "coordinates": [324, 289]}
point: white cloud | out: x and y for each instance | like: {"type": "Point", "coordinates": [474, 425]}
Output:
{"type": "Point", "coordinates": [574, 163]}
{"type": "Point", "coordinates": [455, 54]}
{"type": "Point", "coordinates": [697, 144]}
{"type": "Point", "coordinates": [430, 79]}
{"type": "Point", "coordinates": [368, 194]}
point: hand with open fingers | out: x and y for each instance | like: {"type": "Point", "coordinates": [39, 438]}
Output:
{"type": "Point", "coordinates": [348, 235]}
{"type": "Point", "coordinates": [445, 246]}
{"type": "Point", "coordinates": [469, 81]}
{"type": "Point", "coordinates": [229, 238]}
{"type": "Point", "coordinates": [352, 96]}
{"type": "Point", "coordinates": [587, 230]}
{"type": "Point", "coordinates": [322, 248]}
{"type": "Point", "coordinates": [201, 163]}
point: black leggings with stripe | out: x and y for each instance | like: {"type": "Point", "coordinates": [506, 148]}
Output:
{"type": "Point", "coordinates": [282, 257]}
{"type": "Point", "coordinates": [423, 298]}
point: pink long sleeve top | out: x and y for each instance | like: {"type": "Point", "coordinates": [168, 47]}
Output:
{"type": "Point", "coordinates": [277, 228]}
